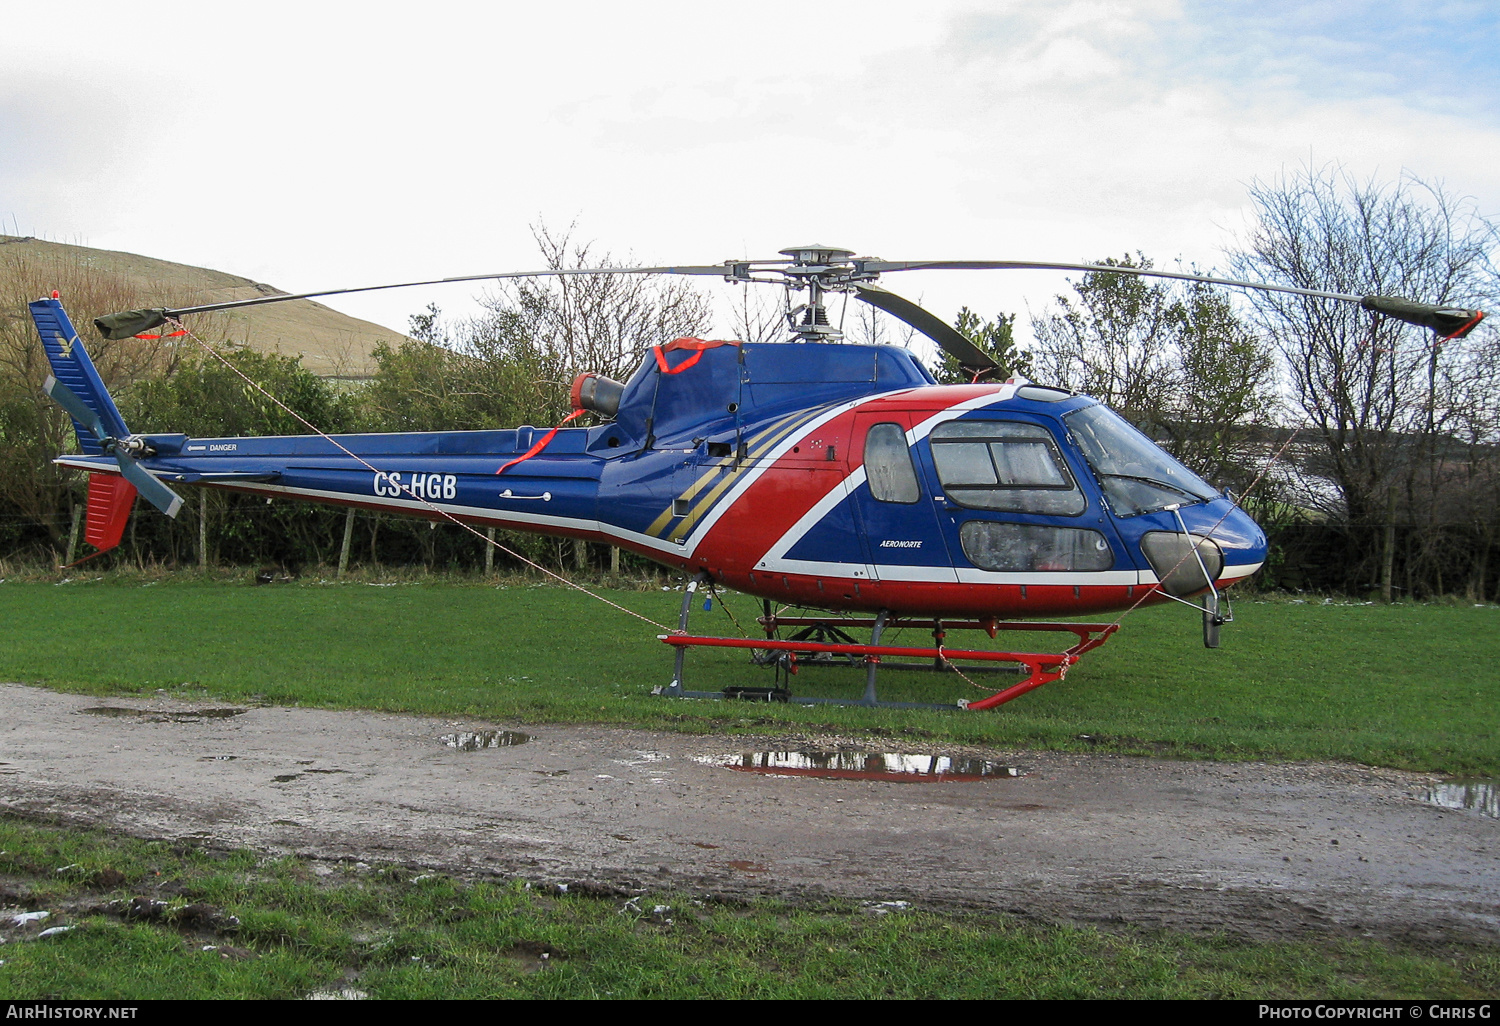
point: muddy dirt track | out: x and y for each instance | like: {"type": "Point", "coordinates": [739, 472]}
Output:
{"type": "Point", "coordinates": [1251, 849]}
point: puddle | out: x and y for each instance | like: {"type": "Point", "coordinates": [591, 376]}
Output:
{"type": "Point", "coordinates": [1481, 796]}
{"type": "Point", "coordinates": [158, 716]}
{"type": "Point", "coordinates": [746, 866]}
{"type": "Point", "coordinates": [114, 710]}
{"type": "Point", "coordinates": [285, 777]}
{"type": "Point", "coordinates": [474, 740]}
{"type": "Point", "coordinates": [864, 766]}
{"type": "Point", "coordinates": [643, 758]}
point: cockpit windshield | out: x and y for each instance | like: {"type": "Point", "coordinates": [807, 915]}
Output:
{"type": "Point", "coordinates": [1136, 475]}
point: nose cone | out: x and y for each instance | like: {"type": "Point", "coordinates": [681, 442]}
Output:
{"type": "Point", "coordinates": [1237, 535]}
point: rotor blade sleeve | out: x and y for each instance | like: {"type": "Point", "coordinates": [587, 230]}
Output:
{"type": "Point", "coordinates": [128, 323]}
{"type": "Point", "coordinates": [948, 338]}
{"type": "Point", "coordinates": [1447, 321]}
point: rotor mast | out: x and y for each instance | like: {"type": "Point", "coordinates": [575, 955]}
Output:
{"type": "Point", "coordinates": [811, 268]}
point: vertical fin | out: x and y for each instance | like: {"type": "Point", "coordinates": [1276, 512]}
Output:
{"type": "Point", "coordinates": [73, 368]}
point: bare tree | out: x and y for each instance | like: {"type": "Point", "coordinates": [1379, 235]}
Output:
{"type": "Point", "coordinates": [1453, 496]}
{"type": "Point", "coordinates": [759, 315]}
{"type": "Point", "coordinates": [1381, 394]}
{"type": "Point", "coordinates": [605, 323]}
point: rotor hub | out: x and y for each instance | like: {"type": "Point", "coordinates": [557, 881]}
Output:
{"type": "Point", "coordinates": [817, 260]}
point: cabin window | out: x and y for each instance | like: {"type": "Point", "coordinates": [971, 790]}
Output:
{"type": "Point", "coordinates": [1034, 547]}
{"type": "Point", "coordinates": [1136, 475]}
{"type": "Point", "coordinates": [888, 465]}
{"type": "Point", "coordinates": [1004, 465]}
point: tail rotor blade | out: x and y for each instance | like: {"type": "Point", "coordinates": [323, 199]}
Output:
{"type": "Point", "coordinates": [949, 339]}
{"type": "Point", "coordinates": [156, 493]}
{"type": "Point", "coordinates": [152, 490]}
{"type": "Point", "coordinates": [68, 399]}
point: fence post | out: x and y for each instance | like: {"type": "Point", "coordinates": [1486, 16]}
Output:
{"type": "Point", "coordinates": [203, 528]}
{"type": "Point", "coordinates": [489, 550]}
{"type": "Point", "coordinates": [348, 537]}
{"type": "Point", "coordinates": [78, 516]}
{"type": "Point", "coordinates": [1388, 558]}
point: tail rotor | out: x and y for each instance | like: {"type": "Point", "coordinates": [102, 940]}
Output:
{"type": "Point", "coordinates": [75, 385]}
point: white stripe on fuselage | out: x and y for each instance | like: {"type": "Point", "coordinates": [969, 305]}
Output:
{"type": "Point", "coordinates": [775, 560]}
{"type": "Point", "coordinates": [750, 476]}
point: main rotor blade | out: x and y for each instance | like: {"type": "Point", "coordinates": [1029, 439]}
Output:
{"type": "Point", "coordinates": [131, 322]}
{"type": "Point", "coordinates": [969, 356]}
{"type": "Point", "coordinates": [152, 490]}
{"type": "Point", "coordinates": [1445, 321]}
{"type": "Point", "coordinates": [68, 399]}
{"type": "Point", "coordinates": [882, 266]}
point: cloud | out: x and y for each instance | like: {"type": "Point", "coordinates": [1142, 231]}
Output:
{"type": "Point", "coordinates": [309, 149]}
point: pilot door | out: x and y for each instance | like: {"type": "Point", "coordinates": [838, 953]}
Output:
{"type": "Point", "coordinates": [897, 504]}
{"type": "Point", "coordinates": [1009, 502]}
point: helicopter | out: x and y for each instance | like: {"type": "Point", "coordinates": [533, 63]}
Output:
{"type": "Point", "coordinates": [837, 480]}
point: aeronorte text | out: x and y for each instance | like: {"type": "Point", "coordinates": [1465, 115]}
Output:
{"type": "Point", "coordinates": [421, 486]}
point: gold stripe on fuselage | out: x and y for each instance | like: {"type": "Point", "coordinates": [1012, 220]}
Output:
{"type": "Point", "coordinates": [757, 447]}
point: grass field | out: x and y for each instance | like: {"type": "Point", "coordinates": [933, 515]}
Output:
{"type": "Point", "coordinates": [386, 932]}
{"type": "Point", "coordinates": [1406, 686]}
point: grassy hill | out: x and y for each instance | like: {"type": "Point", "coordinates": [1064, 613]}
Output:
{"type": "Point", "coordinates": [331, 344]}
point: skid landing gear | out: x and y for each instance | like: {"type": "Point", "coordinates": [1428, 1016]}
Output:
{"type": "Point", "coordinates": [825, 641]}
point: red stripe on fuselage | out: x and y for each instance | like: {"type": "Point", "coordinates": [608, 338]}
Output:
{"type": "Point", "coordinates": [803, 475]}
{"type": "Point", "coordinates": [942, 599]}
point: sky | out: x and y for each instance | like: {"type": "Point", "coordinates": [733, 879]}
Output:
{"type": "Point", "coordinates": [309, 147]}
